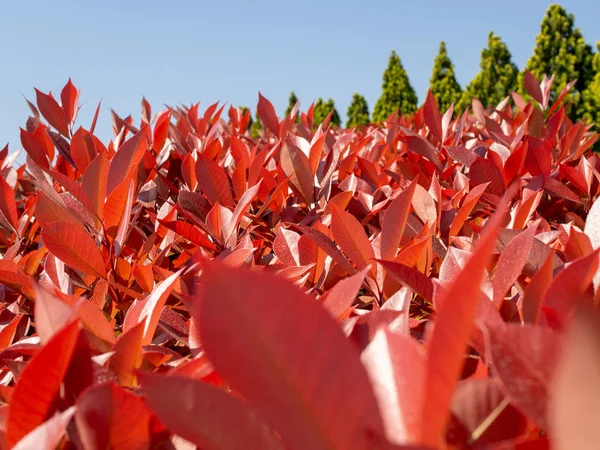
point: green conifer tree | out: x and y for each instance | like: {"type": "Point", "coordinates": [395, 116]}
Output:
{"type": "Point", "coordinates": [397, 93]}
{"type": "Point", "coordinates": [256, 127]}
{"type": "Point", "coordinates": [322, 109]}
{"type": "Point", "coordinates": [358, 112]}
{"type": "Point", "coordinates": [443, 84]}
{"type": "Point", "coordinates": [291, 103]}
{"type": "Point", "coordinates": [591, 95]}
{"type": "Point", "coordinates": [496, 79]}
{"type": "Point", "coordinates": [561, 51]}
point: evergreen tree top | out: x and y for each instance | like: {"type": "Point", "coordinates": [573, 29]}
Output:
{"type": "Point", "coordinates": [443, 83]}
{"type": "Point", "coordinates": [497, 77]}
{"type": "Point", "coordinates": [561, 51]}
{"type": "Point", "coordinates": [397, 93]}
{"type": "Point", "coordinates": [358, 112]}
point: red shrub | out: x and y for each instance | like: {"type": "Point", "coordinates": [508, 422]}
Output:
{"type": "Point", "coordinates": [395, 285]}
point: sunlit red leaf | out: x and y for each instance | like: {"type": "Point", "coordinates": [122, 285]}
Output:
{"type": "Point", "coordinates": [261, 345]}
{"type": "Point", "coordinates": [74, 247]}
{"type": "Point", "coordinates": [48, 435]}
{"type": "Point", "coordinates": [205, 415]}
{"type": "Point", "coordinates": [52, 112]}
{"type": "Point", "coordinates": [108, 416]}
{"type": "Point", "coordinates": [38, 387]}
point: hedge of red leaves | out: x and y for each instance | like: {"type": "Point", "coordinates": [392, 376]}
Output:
{"type": "Point", "coordinates": [411, 284]}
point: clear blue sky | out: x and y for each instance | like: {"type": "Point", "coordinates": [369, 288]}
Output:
{"type": "Point", "coordinates": [186, 51]}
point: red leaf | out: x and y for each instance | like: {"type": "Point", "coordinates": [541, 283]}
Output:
{"type": "Point", "coordinates": [205, 415]}
{"type": "Point", "coordinates": [511, 263]}
{"type": "Point", "coordinates": [423, 147]}
{"type": "Point", "coordinates": [266, 113]}
{"type": "Point", "coordinates": [239, 211]}
{"type": "Point", "coordinates": [431, 114]}
{"type": "Point", "coordinates": [475, 402]}
{"type": "Point", "coordinates": [108, 416]}
{"type": "Point", "coordinates": [94, 183]}
{"type": "Point", "coordinates": [533, 87]}
{"type": "Point", "coordinates": [53, 113]}
{"type": "Point", "coordinates": [82, 148]}
{"type": "Point", "coordinates": [341, 296]}
{"type": "Point", "coordinates": [535, 291]}
{"type": "Point", "coordinates": [190, 232]}
{"type": "Point", "coordinates": [468, 204]}
{"type": "Point", "coordinates": [50, 314]}
{"type": "Point", "coordinates": [38, 387]}
{"type": "Point", "coordinates": [285, 247]}
{"type": "Point", "coordinates": [48, 435]}
{"type": "Point", "coordinates": [410, 277]}
{"type": "Point", "coordinates": [446, 344]}
{"type": "Point", "coordinates": [128, 355]}
{"type": "Point", "coordinates": [484, 171]}
{"type": "Point", "coordinates": [394, 222]}
{"type": "Point", "coordinates": [150, 308]}
{"type": "Point", "coordinates": [538, 160]}
{"type": "Point", "coordinates": [396, 367]}
{"type": "Point", "coordinates": [8, 207]}
{"type": "Point", "coordinates": [574, 391]}
{"type": "Point", "coordinates": [571, 283]}
{"type": "Point", "coordinates": [34, 148]}
{"type": "Point", "coordinates": [523, 357]}
{"type": "Point", "coordinates": [266, 338]}
{"type": "Point", "coordinates": [213, 181]}
{"type": "Point", "coordinates": [296, 166]}
{"type": "Point", "coordinates": [68, 98]}
{"type": "Point", "coordinates": [352, 239]}
{"type": "Point", "coordinates": [323, 241]}
{"type": "Point", "coordinates": [127, 158]}
{"type": "Point", "coordinates": [74, 247]}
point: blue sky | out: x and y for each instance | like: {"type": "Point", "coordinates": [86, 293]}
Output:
{"type": "Point", "coordinates": [188, 51]}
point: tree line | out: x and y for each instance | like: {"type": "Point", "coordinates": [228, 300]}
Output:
{"type": "Point", "coordinates": [560, 51]}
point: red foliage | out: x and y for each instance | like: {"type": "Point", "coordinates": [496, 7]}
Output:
{"type": "Point", "coordinates": [409, 285]}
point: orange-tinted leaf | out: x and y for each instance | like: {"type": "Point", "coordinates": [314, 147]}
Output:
{"type": "Point", "coordinates": [8, 207]}
{"type": "Point", "coordinates": [94, 183]}
{"type": "Point", "coordinates": [74, 247]}
{"type": "Point", "coordinates": [128, 355]}
{"type": "Point", "coordinates": [38, 387]}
